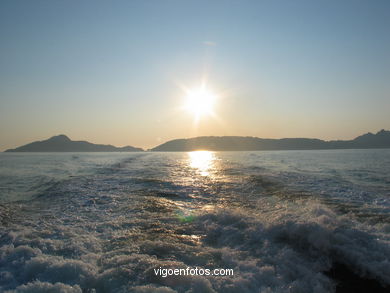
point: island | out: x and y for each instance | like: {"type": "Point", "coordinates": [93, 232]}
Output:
{"type": "Point", "coordinates": [62, 143]}
{"type": "Point", "coordinates": [240, 143]}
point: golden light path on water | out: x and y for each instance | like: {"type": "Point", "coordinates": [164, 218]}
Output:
{"type": "Point", "coordinates": [202, 161]}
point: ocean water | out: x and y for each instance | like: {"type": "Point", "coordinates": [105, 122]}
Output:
{"type": "Point", "coordinates": [284, 221]}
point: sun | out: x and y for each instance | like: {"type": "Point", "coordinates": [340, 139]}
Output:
{"type": "Point", "coordinates": [200, 101]}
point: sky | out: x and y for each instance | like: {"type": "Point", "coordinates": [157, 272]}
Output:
{"type": "Point", "coordinates": [114, 72]}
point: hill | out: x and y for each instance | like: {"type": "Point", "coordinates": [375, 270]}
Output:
{"type": "Point", "coordinates": [240, 143]}
{"type": "Point", "coordinates": [62, 143]}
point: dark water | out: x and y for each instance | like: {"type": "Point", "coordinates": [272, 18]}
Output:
{"type": "Point", "coordinates": [287, 221]}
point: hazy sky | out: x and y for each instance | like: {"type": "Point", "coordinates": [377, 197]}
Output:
{"type": "Point", "coordinates": [110, 71]}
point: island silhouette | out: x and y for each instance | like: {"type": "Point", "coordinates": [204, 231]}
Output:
{"type": "Point", "coordinates": [62, 143]}
{"type": "Point", "coordinates": [239, 143]}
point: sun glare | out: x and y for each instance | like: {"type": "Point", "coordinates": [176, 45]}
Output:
{"type": "Point", "coordinates": [200, 102]}
{"type": "Point", "coordinates": [202, 161]}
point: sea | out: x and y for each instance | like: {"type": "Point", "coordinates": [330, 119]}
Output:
{"type": "Point", "coordinates": [279, 221]}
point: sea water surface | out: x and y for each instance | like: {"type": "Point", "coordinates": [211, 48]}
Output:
{"type": "Point", "coordinates": [284, 221]}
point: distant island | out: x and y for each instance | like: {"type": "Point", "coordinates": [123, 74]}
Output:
{"type": "Point", "coordinates": [62, 143]}
{"type": "Point", "coordinates": [239, 143]}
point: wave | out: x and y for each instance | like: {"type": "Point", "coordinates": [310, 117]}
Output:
{"type": "Point", "coordinates": [294, 250]}
{"type": "Point", "coordinates": [280, 231]}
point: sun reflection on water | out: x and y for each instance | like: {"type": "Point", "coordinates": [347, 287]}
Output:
{"type": "Point", "coordinates": [203, 161]}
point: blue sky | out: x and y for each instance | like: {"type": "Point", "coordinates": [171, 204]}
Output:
{"type": "Point", "coordinates": [109, 71]}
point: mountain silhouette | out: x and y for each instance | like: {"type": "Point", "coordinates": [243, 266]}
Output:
{"type": "Point", "coordinates": [62, 143]}
{"type": "Point", "coordinates": [240, 143]}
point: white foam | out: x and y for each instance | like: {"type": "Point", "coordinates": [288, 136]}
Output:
{"type": "Point", "coordinates": [101, 233]}
{"type": "Point", "coordinates": [45, 287]}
